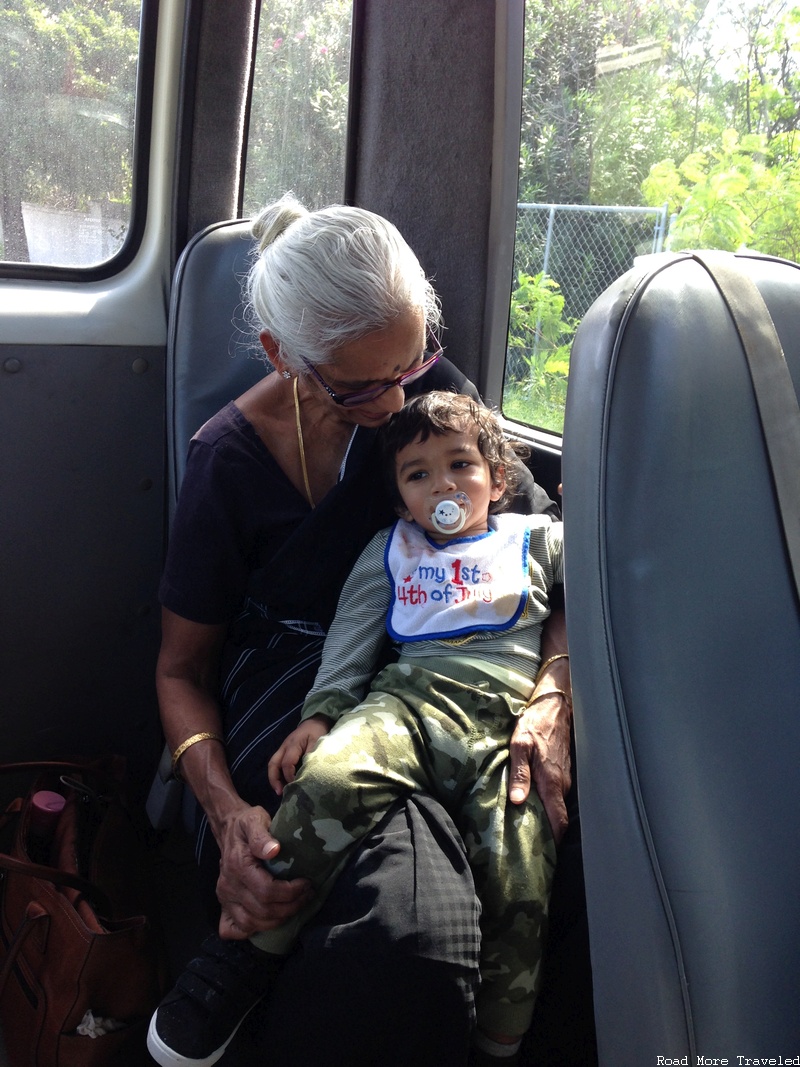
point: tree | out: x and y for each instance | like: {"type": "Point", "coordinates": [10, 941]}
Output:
{"type": "Point", "coordinates": [590, 130]}
{"type": "Point", "coordinates": [299, 107]}
{"type": "Point", "coordinates": [739, 183]}
{"type": "Point", "coordinates": [560, 48]}
{"type": "Point", "coordinates": [642, 102]}
{"type": "Point", "coordinates": [67, 93]}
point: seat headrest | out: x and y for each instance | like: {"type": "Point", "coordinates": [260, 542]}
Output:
{"type": "Point", "coordinates": [212, 350]}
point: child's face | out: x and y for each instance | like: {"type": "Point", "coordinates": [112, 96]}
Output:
{"type": "Point", "coordinates": [430, 471]}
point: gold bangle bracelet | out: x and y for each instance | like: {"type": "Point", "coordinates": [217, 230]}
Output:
{"type": "Point", "coordinates": [538, 696]}
{"type": "Point", "coordinates": [547, 662]}
{"type": "Point", "coordinates": [549, 693]}
{"type": "Point", "coordinates": [179, 751]}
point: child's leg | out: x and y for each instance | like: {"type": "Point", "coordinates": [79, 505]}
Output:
{"type": "Point", "coordinates": [510, 848]}
{"type": "Point", "coordinates": [342, 790]}
{"type": "Point", "coordinates": [512, 855]}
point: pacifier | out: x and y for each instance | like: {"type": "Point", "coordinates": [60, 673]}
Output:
{"type": "Point", "coordinates": [450, 516]}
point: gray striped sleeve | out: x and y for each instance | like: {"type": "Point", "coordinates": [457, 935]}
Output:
{"type": "Point", "coordinates": [356, 637]}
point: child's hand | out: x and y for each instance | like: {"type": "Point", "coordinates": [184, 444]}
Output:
{"type": "Point", "coordinates": [283, 765]}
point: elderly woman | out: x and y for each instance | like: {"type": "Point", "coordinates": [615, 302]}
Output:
{"type": "Point", "coordinates": [281, 494]}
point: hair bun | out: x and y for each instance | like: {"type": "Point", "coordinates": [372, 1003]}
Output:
{"type": "Point", "coordinates": [275, 219]}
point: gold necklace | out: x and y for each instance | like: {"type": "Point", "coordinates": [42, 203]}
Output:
{"type": "Point", "coordinates": [300, 444]}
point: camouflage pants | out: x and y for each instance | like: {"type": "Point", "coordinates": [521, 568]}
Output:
{"type": "Point", "coordinates": [418, 731]}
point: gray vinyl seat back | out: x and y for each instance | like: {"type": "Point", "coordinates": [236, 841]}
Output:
{"type": "Point", "coordinates": [684, 634]}
{"type": "Point", "coordinates": [212, 358]}
{"type": "Point", "coordinates": [212, 348]}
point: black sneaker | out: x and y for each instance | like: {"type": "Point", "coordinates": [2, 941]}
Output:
{"type": "Point", "coordinates": [195, 1023]}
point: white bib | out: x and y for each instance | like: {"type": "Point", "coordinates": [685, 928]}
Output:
{"type": "Point", "coordinates": [468, 584]}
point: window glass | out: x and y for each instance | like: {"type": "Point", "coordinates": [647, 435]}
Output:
{"type": "Point", "coordinates": [646, 126]}
{"type": "Point", "coordinates": [67, 95]}
{"type": "Point", "coordinates": [298, 120]}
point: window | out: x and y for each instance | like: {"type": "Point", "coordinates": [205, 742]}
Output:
{"type": "Point", "coordinates": [646, 127]}
{"type": "Point", "coordinates": [67, 94]}
{"type": "Point", "coordinates": [298, 120]}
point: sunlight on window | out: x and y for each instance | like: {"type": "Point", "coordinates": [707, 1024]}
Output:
{"type": "Point", "coordinates": [298, 122]}
{"type": "Point", "coordinates": [67, 98]}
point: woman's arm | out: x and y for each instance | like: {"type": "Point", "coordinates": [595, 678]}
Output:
{"type": "Point", "coordinates": [540, 744]}
{"type": "Point", "coordinates": [186, 681]}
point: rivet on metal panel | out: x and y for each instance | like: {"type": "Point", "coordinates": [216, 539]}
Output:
{"type": "Point", "coordinates": [12, 366]}
{"type": "Point", "coordinates": [140, 365]}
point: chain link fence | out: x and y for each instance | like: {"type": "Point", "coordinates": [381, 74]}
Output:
{"type": "Point", "coordinates": [584, 249]}
{"type": "Point", "coordinates": [565, 256]}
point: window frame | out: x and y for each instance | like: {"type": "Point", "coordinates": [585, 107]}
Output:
{"type": "Point", "coordinates": [509, 69]}
{"type": "Point", "coordinates": [509, 58]}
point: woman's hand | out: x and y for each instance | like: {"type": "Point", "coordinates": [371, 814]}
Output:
{"type": "Point", "coordinates": [283, 765]}
{"type": "Point", "coordinates": [540, 752]}
{"type": "Point", "coordinates": [250, 897]}
{"type": "Point", "coordinates": [540, 744]}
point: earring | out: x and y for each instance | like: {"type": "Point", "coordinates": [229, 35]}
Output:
{"type": "Point", "coordinates": [286, 374]}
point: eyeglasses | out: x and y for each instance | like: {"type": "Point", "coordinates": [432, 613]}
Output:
{"type": "Point", "coordinates": [363, 396]}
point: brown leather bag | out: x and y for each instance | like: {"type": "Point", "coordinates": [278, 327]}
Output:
{"type": "Point", "coordinates": [75, 935]}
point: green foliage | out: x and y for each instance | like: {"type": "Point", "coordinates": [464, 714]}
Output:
{"type": "Point", "coordinates": [537, 365]}
{"type": "Point", "coordinates": [67, 94]}
{"type": "Point", "coordinates": [299, 108]}
{"type": "Point", "coordinates": [646, 102]}
{"type": "Point", "coordinates": [595, 134]}
{"type": "Point", "coordinates": [67, 84]}
{"type": "Point", "coordinates": [560, 42]}
{"type": "Point", "coordinates": [733, 198]}
{"type": "Point", "coordinates": [738, 180]}
{"type": "Point", "coordinates": [588, 138]}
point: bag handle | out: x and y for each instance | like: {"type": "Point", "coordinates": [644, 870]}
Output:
{"type": "Point", "coordinates": [103, 765]}
{"type": "Point", "coordinates": [60, 878]}
{"type": "Point", "coordinates": [18, 940]}
{"type": "Point", "coordinates": [774, 389]}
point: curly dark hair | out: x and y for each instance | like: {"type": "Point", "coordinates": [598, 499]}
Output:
{"type": "Point", "coordinates": [440, 413]}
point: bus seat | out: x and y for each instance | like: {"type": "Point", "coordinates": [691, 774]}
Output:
{"type": "Point", "coordinates": [684, 636]}
{"type": "Point", "coordinates": [211, 351]}
{"type": "Point", "coordinates": [211, 347]}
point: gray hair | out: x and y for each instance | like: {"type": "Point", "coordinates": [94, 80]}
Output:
{"type": "Point", "coordinates": [324, 278]}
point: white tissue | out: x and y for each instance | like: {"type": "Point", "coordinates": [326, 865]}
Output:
{"type": "Point", "coordinates": [96, 1026]}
